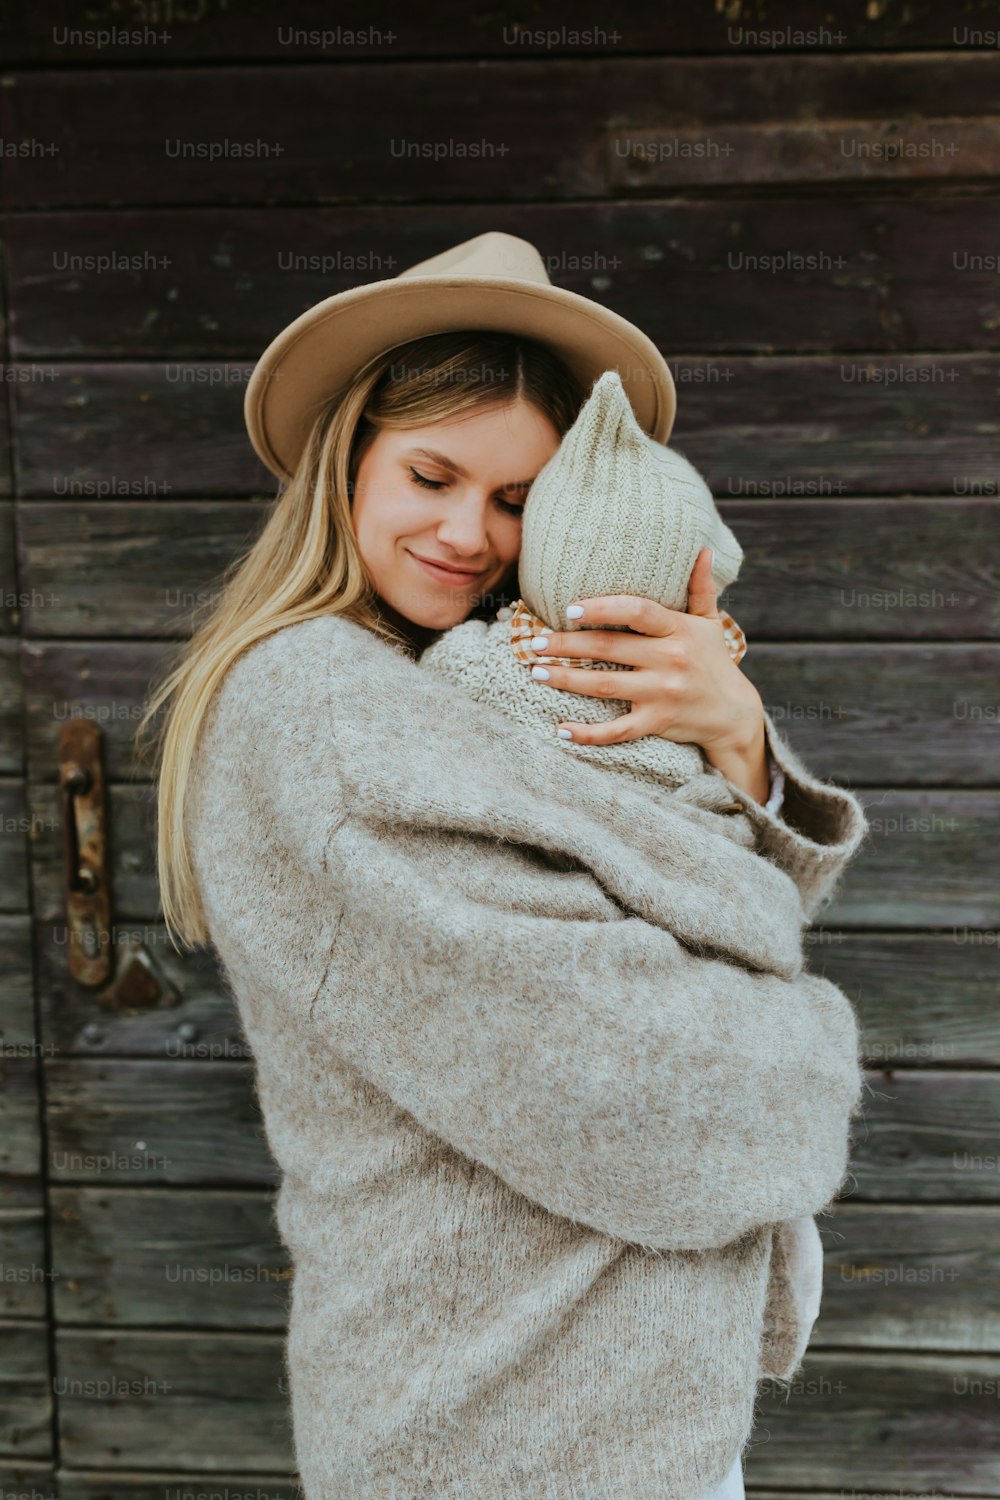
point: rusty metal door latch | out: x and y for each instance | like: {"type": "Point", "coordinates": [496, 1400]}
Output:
{"type": "Point", "coordinates": [132, 981]}
{"type": "Point", "coordinates": [88, 898]}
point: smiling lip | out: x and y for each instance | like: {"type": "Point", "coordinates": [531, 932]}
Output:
{"type": "Point", "coordinates": [451, 576]}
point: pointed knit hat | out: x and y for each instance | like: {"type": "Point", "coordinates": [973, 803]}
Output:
{"type": "Point", "coordinates": [615, 512]}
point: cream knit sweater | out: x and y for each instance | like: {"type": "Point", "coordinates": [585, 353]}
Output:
{"type": "Point", "coordinates": [541, 1064]}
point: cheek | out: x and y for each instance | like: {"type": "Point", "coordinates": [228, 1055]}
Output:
{"type": "Point", "coordinates": [384, 515]}
{"type": "Point", "coordinates": [506, 539]}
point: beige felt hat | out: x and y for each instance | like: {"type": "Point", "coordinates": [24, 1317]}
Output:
{"type": "Point", "coordinates": [495, 281]}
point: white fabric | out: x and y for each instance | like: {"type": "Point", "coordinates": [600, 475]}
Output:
{"type": "Point", "coordinates": [777, 796]}
{"type": "Point", "coordinates": [731, 1487]}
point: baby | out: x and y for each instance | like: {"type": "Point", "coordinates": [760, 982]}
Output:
{"type": "Point", "coordinates": [614, 512]}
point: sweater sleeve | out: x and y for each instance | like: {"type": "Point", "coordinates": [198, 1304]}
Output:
{"type": "Point", "coordinates": [815, 832]}
{"type": "Point", "coordinates": [588, 1059]}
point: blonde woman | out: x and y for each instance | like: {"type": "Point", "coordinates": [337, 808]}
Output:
{"type": "Point", "coordinates": [542, 1064]}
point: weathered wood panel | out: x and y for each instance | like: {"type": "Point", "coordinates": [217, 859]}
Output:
{"type": "Point", "coordinates": [930, 860]}
{"type": "Point", "coordinates": [924, 1134]}
{"type": "Point", "coordinates": [17, 1019]}
{"type": "Point", "coordinates": [202, 1025]}
{"type": "Point", "coordinates": [927, 1135]}
{"type": "Point", "coordinates": [6, 452]}
{"type": "Point", "coordinates": [763, 427]}
{"type": "Point", "coordinates": [24, 1268]}
{"type": "Point", "coordinates": [23, 1273]}
{"type": "Point", "coordinates": [747, 275]}
{"type": "Point", "coordinates": [14, 827]}
{"type": "Point", "coordinates": [307, 29]}
{"type": "Point", "coordinates": [924, 999]}
{"type": "Point", "coordinates": [11, 711]}
{"type": "Point", "coordinates": [9, 601]}
{"type": "Point", "coordinates": [905, 1425]}
{"type": "Point", "coordinates": [30, 1480]}
{"type": "Point", "coordinates": [152, 1400]}
{"type": "Point", "coordinates": [149, 1123]}
{"type": "Point", "coordinates": [910, 1277]}
{"type": "Point", "coordinates": [110, 431]}
{"type": "Point", "coordinates": [25, 1392]}
{"type": "Point", "coordinates": [168, 1258]}
{"type": "Point", "coordinates": [560, 131]}
{"type": "Point", "coordinates": [868, 570]}
{"type": "Point", "coordinates": [930, 712]}
{"type": "Point", "coordinates": [20, 1136]}
{"type": "Point", "coordinates": [166, 561]}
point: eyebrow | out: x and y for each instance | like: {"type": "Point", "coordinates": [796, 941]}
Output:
{"type": "Point", "coordinates": [449, 463]}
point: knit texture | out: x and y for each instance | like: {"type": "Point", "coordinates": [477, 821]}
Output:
{"type": "Point", "coordinates": [615, 512]}
{"type": "Point", "coordinates": [612, 512]}
{"type": "Point", "coordinates": [476, 657]}
{"type": "Point", "coordinates": [541, 1064]}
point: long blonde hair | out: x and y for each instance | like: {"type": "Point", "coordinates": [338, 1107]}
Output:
{"type": "Point", "coordinates": [305, 561]}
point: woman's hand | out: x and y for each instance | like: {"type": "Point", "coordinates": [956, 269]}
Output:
{"type": "Point", "coordinates": [683, 685]}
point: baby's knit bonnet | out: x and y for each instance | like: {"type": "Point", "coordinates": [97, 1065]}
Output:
{"type": "Point", "coordinates": [615, 512]}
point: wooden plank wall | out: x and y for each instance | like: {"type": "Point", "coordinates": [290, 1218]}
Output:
{"type": "Point", "coordinates": [803, 211]}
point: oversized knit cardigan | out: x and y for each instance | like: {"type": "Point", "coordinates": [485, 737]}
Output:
{"type": "Point", "coordinates": [541, 1064]}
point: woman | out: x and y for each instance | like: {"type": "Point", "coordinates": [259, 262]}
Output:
{"type": "Point", "coordinates": [542, 1067]}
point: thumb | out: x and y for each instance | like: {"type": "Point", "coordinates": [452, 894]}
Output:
{"type": "Point", "coordinates": [701, 587]}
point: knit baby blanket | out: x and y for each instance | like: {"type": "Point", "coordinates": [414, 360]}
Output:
{"type": "Point", "coordinates": [491, 661]}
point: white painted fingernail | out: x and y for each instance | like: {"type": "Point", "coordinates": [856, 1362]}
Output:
{"type": "Point", "coordinates": [565, 734]}
{"type": "Point", "coordinates": [574, 611]}
{"type": "Point", "coordinates": [540, 674]}
{"type": "Point", "coordinates": [539, 642]}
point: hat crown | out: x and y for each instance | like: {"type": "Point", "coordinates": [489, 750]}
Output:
{"type": "Point", "coordinates": [493, 254]}
{"type": "Point", "coordinates": [615, 512]}
{"type": "Point", "coordinates": [495, 282]}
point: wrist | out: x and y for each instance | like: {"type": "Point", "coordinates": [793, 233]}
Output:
{"type": "Point", "coordinates": [742, 759]}
{"type": "Point", "coordinates": [747, 734]}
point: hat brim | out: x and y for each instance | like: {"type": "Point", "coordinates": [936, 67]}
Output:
{"type": "Point", "coordinates": [317, 354]}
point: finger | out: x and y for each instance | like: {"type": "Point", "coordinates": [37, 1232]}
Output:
{"type": "Point", "coordinates": [589, 681]}
{"type": "Point", "coordinates": [645, 616]}
{"type": "Point", "coordinates": [612, 732]}
{"type": "Point", "coordinates": [604, 645]}
{"type": "Point", "coordinates": [701, 586]}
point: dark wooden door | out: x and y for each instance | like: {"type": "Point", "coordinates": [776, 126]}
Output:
{"type": "Point", "coordinates": [807, 222]}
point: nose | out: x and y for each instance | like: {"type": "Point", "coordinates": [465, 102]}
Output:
{"type": "Point", "coordinates": [463, 528]}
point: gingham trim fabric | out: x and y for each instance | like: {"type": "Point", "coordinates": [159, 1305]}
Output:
{"type": "Point", "coordinates": [524, 625]}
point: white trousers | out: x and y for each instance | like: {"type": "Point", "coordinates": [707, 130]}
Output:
{"type": "Point", "coordinates": [731, 1487]}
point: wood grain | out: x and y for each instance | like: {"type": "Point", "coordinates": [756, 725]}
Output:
{"type": "Point", "coordinates": [747, 275]}
{"type": "Point", "coordinates": [526, 132]}
{"type": "Point", "coordinates": [196, 1402]}
{"type": "Point", "coordinates": [307, 29]}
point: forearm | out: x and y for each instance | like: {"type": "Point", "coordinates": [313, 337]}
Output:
{"type": "Point", "coordinates": [584, 1059]}
{"type": "Point", "coordinates": [746, 764]}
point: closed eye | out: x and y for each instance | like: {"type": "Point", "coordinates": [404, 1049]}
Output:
{"type": "Point", "coordinates": [431, 484]}
{"type": "Point", "coordinates": [439, 484]}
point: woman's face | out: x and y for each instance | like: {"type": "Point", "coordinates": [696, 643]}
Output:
{"type": "Point", "coordinates": [447, 496]}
